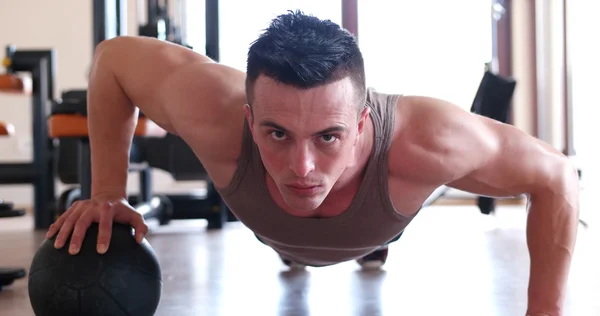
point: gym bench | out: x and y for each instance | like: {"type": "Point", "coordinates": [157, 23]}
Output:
{"type": "Point", "coordinates": [8, 275]}
{"type": "Point", "coordinates": [67, 123]}
{"type": "Point", "coordinates": [152, 147]}
{"type": "Point", "coordinates": [39, 172]}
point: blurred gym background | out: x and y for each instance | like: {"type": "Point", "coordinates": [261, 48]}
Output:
{"type": "Point", "coordinates": [429, 47]}
{"type": "Point", "coordinates": [437, 48]}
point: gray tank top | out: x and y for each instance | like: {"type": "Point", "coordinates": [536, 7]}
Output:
{"type": "Point", "coordinates": [370, 221]}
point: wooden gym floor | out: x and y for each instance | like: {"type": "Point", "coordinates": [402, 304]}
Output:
{"type": "Point", "coordinates": [451, 261]}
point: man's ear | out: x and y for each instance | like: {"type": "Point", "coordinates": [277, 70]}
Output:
{"type": "Point", "coordinates": [249, 116]}
{"type": "Point", "coordinates": [362, 120]}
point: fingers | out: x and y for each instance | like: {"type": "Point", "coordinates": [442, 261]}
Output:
{"type": "Point", "coordinates": [138, 223]}
{"type": "Point", "coordinates": [76, 221]}
{"type": "Point", "coordinates": [67, 225]}
{"type": "Point", "coordinates": [105, 228]}
{"type": "Point", "coordinates": [53, 229]}
{"type": "Point", "coordinates": [81, 226]}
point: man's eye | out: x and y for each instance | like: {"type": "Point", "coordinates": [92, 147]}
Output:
{"type": "Point", "coordinates": [278, 135]}
{"type": "Point", "coordinates": [329, 138]}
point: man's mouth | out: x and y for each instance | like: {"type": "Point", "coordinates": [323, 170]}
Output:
{"type": "Point", "coordinates": [304, 189]}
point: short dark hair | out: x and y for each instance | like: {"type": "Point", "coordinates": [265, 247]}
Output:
{"type": "Point", "coordinates": [303, 51]}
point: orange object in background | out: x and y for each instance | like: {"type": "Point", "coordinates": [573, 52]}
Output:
{"type": "Point", "coordinates": [11, 83]}
{"type": "Point", "coordinates": [6, 129]}
{"type": "Point", "coordinates": [76, 125]}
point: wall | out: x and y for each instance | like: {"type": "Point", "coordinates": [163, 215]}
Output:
{"type": "Point", "coordinates": [34, 24]}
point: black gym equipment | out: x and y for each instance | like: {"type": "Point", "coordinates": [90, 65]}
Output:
{"type": "Point", "coordinates": [9, 275]}
{"type": "Point", "coordinates": [109, 19]}
{"type": "Point", "coordinates": [162, 23]}
{"type": "Point", "coordinates": [74, 158]}
{"type": "Point", "coordinates": [169, 153]}
{"type": "Point", "coordinates": [126, 280]}
{"type": "Point", "coordinates": [39, 172]}
{"type": "Point", "coordinates": [7, 210]}
{"type": "Point", "coordinates": [493, 100]}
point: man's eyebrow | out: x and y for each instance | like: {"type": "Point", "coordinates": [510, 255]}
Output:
{"type": "Point", "coordinates": [273, 125]}
{"type": "Point", "coordinates": [333, 129]}
{"type": "Point", "coordinates": [329, 130]}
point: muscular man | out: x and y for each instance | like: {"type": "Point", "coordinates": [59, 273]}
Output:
{"type": "Point", "coordinates": [320, 167]}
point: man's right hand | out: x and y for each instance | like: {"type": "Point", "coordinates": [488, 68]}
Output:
{"type": "Point", "coordinates": [103, 210]}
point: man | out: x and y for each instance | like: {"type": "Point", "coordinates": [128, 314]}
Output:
{"type": "Point", "coordinates": [321, 168]}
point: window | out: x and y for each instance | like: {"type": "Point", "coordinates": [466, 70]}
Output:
{"type": "Point", "coordinates": [194, 22]}
{"type": "Point", "coordinates": [241, 22]}
{"type": "Point", "coordinates": [583, 51]}
{"type": "Point", "coordinates": [426, 47]}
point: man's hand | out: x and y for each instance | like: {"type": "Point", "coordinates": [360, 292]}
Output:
{"type": "Point", "coordinates": [101, 209]}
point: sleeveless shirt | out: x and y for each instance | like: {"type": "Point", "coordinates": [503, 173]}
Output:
{"type": "Point", "coordinates": [369, 222]}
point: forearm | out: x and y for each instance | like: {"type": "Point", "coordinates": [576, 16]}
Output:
{"type": "Point", "coordinates": [111, 121]}
{"type": "Point", "coordinates": [551, 233]}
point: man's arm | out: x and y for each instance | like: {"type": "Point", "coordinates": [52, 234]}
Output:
{"type": "Point", "coordinates": [173, 86]}
{"type": "Point", "coordinates": [183, 92]}
{"type": "Point", "coordinates": [126, 73]}
{"type": "Point", "coordinates": [486, 157]}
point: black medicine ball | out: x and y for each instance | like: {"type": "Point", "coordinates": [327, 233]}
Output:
{"type": "Point", "coordinates": [126, 280]}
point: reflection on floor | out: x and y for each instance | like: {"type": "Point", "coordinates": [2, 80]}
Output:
{"type": "Point", "coordinates": [451, 261]}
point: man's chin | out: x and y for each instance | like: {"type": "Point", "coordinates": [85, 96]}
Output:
{"type": "Point", "coordinates": [303, 205]}
{"type": "Point", "coordinates": [302, 201]}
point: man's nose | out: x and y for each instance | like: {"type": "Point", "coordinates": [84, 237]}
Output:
{"type": "Point", "coordinates": [302, 161]}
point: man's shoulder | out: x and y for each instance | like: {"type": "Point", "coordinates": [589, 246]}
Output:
{"type": "Point", "coordinates": [374, 95]}
{"type": "Point", "coordinates": [206, 85]}
{"type": "Point", "coordinates": [207, 110]}
{"type": "Point", "coordinates": [428, 141]}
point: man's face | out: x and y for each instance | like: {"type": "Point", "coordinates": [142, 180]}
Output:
{"type": "Point", "coordinates": [306, 138]}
